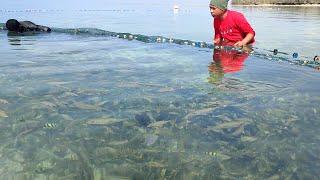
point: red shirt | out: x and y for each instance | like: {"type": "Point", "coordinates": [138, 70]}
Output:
{"type": "Point", "coordinates": [234, 27]}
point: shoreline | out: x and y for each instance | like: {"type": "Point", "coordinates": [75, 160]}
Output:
{"type": "Point", "coordinates": [279, 5]}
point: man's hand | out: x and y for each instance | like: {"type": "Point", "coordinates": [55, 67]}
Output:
{"type": "Point", "coordinates": [216, 41]}
{"type": "Point", "coordinates": [245, 40]}
{"type": "Point", "coordinates": [240, 44]}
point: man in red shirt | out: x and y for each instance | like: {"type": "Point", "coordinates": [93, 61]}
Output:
{"type": "Point", "coordinates": [230, 26]}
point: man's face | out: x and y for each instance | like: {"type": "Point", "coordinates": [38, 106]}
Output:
{"type": "Point", "coordinates": [215, 11]}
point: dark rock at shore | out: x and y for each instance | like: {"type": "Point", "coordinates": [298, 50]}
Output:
{"type": "Point", "coordinates": [276, 2]}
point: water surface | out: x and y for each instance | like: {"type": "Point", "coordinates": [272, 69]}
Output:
{"type": "Point", "coordinates": [288, 29]}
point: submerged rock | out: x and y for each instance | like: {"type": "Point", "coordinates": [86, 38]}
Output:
{"type": "Point", "coordinates": [251, 130]}
{"type": "Point", "coordinates": [143, 119]}
{"type": "Point", "coordinates": [164, 115]}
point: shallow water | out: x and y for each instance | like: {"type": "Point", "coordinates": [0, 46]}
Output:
{"type": "Point", "coordinates": [86, 107]}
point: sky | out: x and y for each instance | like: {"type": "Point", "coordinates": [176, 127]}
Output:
{"type": "Point", "coordinates": [92, 4]}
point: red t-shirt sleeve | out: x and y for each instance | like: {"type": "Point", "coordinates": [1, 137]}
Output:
{"type": "Point", "coordinates": [243, 25]}
{"type": "Point", "coordinates": [216, 25]}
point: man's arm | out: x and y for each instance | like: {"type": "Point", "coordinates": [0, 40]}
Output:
{"type": "Point", "coordinates": [249, 37]}
{"type": "Point", "coordinates": [217, 35]}
{"type": "Point", "coordinates": [245, 28]}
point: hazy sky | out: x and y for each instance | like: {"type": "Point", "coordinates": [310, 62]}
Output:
{"type": "Point", "coordinates": [92, 4]}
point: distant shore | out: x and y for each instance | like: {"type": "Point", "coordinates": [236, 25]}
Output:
{"type": "Point", "coordinates": [277, 2]}
{"type": "Point", "coordinates": [282, 5]}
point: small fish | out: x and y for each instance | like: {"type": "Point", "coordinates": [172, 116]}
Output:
{"type": "Point", "coordinates": [72, 157]}
{"type": "Point", "coordinates": [47, 104]}
{"type": "Point", "coordinates": [163, 172]}
{"type": "Point", "coordinates": [230, 124]}
{"type": "Point", "coordinates": [50, 125]}
{"type": "Point", "coordinates": [248, 139]}
{"type": "Point", "coordinates": [3, 101]}
{"type": "Point", "coordinates": [118, 143]}
{"type": "Point", "coordinates": [86, 106]}
{"type": "Point", "coordinates": [155, 164]}
{"type": "Point", "coordinates": [217, 155]}
{"type": "Point", "coordinates": [166, 89]}
{"type": "Point", "coordinates": [211, 153]}
{"type": "Point", "coordinates": [158, 124]}
{"type": "Point", "coordinates": [57, 83]}
{"type": "Point", "coordinates": [103, 121]}
{"type": "Point", "coordinates": [200, 112]}
{"type": "Point", "coordinates": [151, 139]}
{"type": "Point", "coordinates": [3, 114]}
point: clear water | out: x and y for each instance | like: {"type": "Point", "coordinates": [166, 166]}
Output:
{"type": "Point", "coordinates": [84, 107]}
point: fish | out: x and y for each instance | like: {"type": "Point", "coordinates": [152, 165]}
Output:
{"type": "Point", "coordinates": [166, 89]}
{"type": "Point", "coordinates": [57, 83]}
{"type": "Point", "coordinates": [128, 85]}
{"type": "Point", "coordinates": [118, 143]}
{"type": "Point", "coordinates": [199, 112]}
{"type": "Point", "coordinates": [211, 153]}
{"type": "Point", "coordinates": [158, 124]}
{"type": "Point", "coordinates": [47, 104]}
{"type": "Point", "coordinates": [3, 101]}
{"type": "Point", "coordinates": [151, 139]}
{"type": "Point", "coordinates": [3, 114]}
{"type": "Point", "coordinates": [103, 121]}
{"type": "Point", "coordinates": [86, 106]}
{"type": "Point", "coordinates": [155, 164]}
{"type": "Point", "coordinates": [218, 155]}
{"type": "Point", "coordinates": [67, 94]}
{"type": "Point", "coordinates": [102, 151]}
{"type": "Point", "coordinates": [248, 138]}
{"type": "Point", "coordinates": [227, 125]}
{"type": "Point", "coordinates": [49, 125]}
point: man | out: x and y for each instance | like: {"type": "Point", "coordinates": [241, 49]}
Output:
{"type": "Point", "coordinates": [230, 26]}
{"type": "Point", "coordinates": [25, 26]}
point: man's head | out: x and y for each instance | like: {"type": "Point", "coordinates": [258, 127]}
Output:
{"type": "Point", "coordinates": [13, 25]}
{"type": "Point", "coordinates": [218, 7]}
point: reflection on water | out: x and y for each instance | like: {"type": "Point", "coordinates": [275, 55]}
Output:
{"type": "Point", "coordinates": [21, 40]}
{"type": "Point", "coordinates": [225, 61]}
{"type": "Point", "coordinates": [105, 108]}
